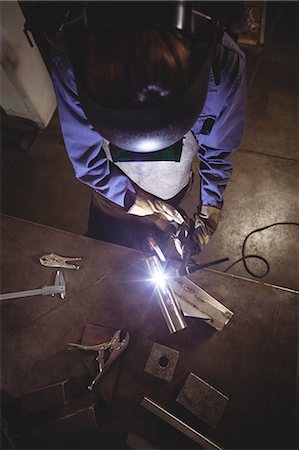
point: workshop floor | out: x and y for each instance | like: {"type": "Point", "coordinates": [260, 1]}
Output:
{"type": "Point", "coordinates": [39, 185]}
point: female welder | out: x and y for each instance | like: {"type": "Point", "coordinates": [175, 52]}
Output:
{"type": "Point", "coordinates": [142, 88]}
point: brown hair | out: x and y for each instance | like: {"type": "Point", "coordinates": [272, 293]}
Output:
{"type": "Point", "coordinates": [136, 66]}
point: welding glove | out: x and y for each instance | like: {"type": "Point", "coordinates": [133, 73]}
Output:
{"type": "Point", "coordinates": [205, 224]}
{"type": "Point", "coordinates": [160, 212]}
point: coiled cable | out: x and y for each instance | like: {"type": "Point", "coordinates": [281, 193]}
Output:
{"type": "Point", "coordinates": [245, 257]}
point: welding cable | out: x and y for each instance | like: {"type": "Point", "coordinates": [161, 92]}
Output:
{"type": "Point", "coordinates": [244, 257]}
{"type": "Point", "coordinates": [188, 270]}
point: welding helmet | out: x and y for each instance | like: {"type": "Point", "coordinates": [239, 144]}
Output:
{"type": "Point", "coordinates": [153, 127]}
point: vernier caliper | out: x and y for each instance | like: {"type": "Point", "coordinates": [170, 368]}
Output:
{"type": "Point", "coordinates": [57, 288]}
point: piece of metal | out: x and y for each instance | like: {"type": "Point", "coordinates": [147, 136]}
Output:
{"type": "Point", "coordinates": [136, 442]}
{"type": "Point", "coordinates": [179, 424]}
{"type": "Point", "coordinates": [195, 302]}
{"type": "Point", "coordinates": [53, 260]}
{"type": "Point", "coordinates": [57, 288]}
{"type": "Point", "coordinates": [45, 398]}
{"type": "Point", "coordinates": [162, 362]}
{"type": "Point", "coordinates": [169, 305]}
{"type": "Point", "coordinates": [115, 347]}
{"type": "Point", "coordinates": [202, 399]}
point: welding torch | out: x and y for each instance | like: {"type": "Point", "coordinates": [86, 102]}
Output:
{"type": "Point", "coordinates": [186, 267]}
{"type": "Point", "coordinates": [190, 268]}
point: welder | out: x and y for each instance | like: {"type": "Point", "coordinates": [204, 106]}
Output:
{"type": "Point", "coordinates": [143, 88]}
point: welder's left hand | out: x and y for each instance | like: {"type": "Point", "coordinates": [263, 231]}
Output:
{"type": "Point", "coordinates": [158, 211]}
{"type": "Point", "coordinates": [205, 224]}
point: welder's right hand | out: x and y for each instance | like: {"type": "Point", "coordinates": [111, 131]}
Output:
{"type": "Point", "coordinates": [160, 212]}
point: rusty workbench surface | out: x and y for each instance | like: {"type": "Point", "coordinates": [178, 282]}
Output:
{"type": "Point", "coordinates": [252, 360]}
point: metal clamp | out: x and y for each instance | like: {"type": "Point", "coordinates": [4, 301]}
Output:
{"type": "Point", "coordinates": [115, 347]}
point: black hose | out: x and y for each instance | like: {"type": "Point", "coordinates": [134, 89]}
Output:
{"type": "Point", "coordinates": [244, 257]}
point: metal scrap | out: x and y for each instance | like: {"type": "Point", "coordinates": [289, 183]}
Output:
{"type": "Point", "coordinates": [162, 362]}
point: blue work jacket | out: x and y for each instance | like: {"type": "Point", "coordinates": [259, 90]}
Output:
{"type": "Point", "coordinates": [218, 130]}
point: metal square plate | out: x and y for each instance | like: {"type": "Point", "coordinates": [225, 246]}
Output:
{"type": "Point", "coordinates": [203, 400]}
{"type": "Point", "coordinates": [162, 361]}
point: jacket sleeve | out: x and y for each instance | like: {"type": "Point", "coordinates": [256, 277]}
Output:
{"type": "Point", "coordinates": [83, 143]}
{"type": "Point", "coordinates": [225, 104]}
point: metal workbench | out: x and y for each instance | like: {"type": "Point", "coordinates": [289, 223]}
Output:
{"type": "Point", "coordinates": [253, 360]}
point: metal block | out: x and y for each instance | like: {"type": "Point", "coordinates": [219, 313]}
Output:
{"type": "Point", "coordinates": [203, 400]}
{"type": "Point", "coordinates": [162, 362]}
{"type": "Point", "coordinates": [47, 397]}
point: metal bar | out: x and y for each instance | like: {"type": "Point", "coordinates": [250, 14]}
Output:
{"type": "Point", "coordinates": [170, 307]}
{"type": "Point", "coordinates": [21, 294]}
{"type": "Point", "coordinates": [47, 290]}
{"type": "Point", "coordinates": [179, 424]}
{"type": "Point", "coordinates": [251, 280]}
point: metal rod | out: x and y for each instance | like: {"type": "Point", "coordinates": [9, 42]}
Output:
{"type": "Point", "coordinates": [170, 307]}
{"type": "Point", "coordinates": [47, 290]}
{"type": "Point", "coordinates": [179, 424]}
{"type": "Point", "coordinates": [20, 294]}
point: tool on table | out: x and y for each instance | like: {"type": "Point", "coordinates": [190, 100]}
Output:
{"type": "Point", "coordinates": [53, 260]}
{"type": "Point", "coordinates": [107, 352]}
{"type": "Point", "coordinates": [57, 288]}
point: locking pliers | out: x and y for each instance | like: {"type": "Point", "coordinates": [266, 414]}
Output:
{"type": "Point", "coordinates": [53, 260]}
{"type": "Point", "coordinates": [107, 352]}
